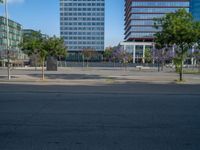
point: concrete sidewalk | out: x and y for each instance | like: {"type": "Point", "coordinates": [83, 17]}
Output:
{"type": "Point", "coordinates": [96, 76]}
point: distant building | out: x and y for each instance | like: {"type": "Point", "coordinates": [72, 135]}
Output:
{"type": "Point", "coordinates": [195, 9]}
{"type": "Point", "coordinates": [139, 23]}
{"type": "Point", "coordinates": [15, 37]}
{"type": "Point", "coordinates": [82, 24]}
{"type": "Point", "coordinates": [139, 16]}
{"type": "Point", "coordinates": [137, 49]}
{"type": "Point", "coordinates": [28, 32]}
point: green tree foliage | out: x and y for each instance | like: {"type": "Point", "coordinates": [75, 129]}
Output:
{"type": "Point", "coordinates": [108, 53]}
{"type": "Point", "coordinates": [36, 44]}
{"type": "Point", "coordinates": [32, 43]}
{"type": "Point", "coordinates": [55, 47]}
{"type": "Point", "coordinates": [88, 54]}
{"type": "Point", "coordinates": [148, 55]}
{"type": "Point", "coordinates": [178, 29]}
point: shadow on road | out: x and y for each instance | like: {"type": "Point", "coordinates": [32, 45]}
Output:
{"type": "Point", "coordinates": [128, 87]}
{"type": "Point", "coordinates": [68, 76]}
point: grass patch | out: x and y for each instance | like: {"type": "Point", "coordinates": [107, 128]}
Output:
{"type": "Point", "coordinates": [110, 80]}
{"type": "Point", "coordinates": [178, 81]}
{"type": "Point", "coordinates": [191, 72]}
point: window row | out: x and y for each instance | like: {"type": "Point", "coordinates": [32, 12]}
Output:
{"type": "Point", "coordinates": [84, 42]}
{"type": "Point", "coordinates": [143, 29]}
{"type": "Point", "coordinates": [83, 28]}
{"type": "Point", "coordinates": [82, 33]}
{"type": "Point", "coordinates": [155, 10]}
{"type": "Point", "coordinates": [146, 16]}
{"type": "Point", "coordinates": [141, 35]}
{"type": "Point", "coordinates": [167, 4]}
{"type": "Point", "coordinates": [78, 1]}
{"type": "Point", "coordinates": [82, 23]}
{"type": "Point", "coordinates": [82, 4]}
{"type": "Point", "coordinates": [82, 18]}
{"type": "Point", "coordinates": [83, 38]}
{"type": "Point", "coordinates": [80, 48]}
{"type": "Point", "coordinates": [82, 14]}
{"type": "Point", "coordinates": [142, 22]}
{"type": "Point", "coordinates": [82, 9]}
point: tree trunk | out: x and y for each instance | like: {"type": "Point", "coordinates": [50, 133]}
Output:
{"type": "Point", "coordinates": [83, 61]}
{"type": "Point", "coordinates": [35, 62]}
{"type": "Point", "coordinates": [199, 67]}
{"type": "Point", "coordinates": [158, 66]}
{"type": "Point", "coordinates": [114, 63]}
{"type": "Point", "coordinates": [162, 68]}
{"type": "Point", "coordinates": [42, 69]}
{"type": "Point", "coordinates": [181, 71]}
{"type": "Point", "coordinates": [87, 63]}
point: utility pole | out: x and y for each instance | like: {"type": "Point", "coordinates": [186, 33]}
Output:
{"type": "Point", "coordinates": [7, 38]}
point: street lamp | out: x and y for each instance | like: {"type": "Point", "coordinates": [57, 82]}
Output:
{"type": "Point", "coordinates": [7, 36]}
{"type": "Point", "coordinates": [7, 39]}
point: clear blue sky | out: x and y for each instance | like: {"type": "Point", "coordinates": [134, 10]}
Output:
{"type": "Point", "coordinates": [44, 15]}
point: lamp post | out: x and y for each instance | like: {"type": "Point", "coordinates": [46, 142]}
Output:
{"type": "Point", "coordinates": [7, 39]}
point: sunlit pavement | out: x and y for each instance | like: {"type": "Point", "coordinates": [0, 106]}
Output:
{"type": "Point", "coordinates": [134, 116]}
{"type": "Point", "coordinates": [97, 76]}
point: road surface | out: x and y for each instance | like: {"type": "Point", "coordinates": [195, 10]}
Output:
{"type": "Point", "coordinates": [108, 117]}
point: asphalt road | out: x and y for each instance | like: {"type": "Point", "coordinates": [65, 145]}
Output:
{"type": "Point", "coordinates": [109, 117]}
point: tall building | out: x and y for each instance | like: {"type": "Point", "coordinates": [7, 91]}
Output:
{"type": "Point", "coordinates": [139, 23]}
{"type": "Point", "coordinates": [82, 24]}
{"type": "Point", "coordinates": [140, 14]}
{"type": "Point", "coordinates": [195, 9]}
{"type": "Point", "coordinates": [15, 37]}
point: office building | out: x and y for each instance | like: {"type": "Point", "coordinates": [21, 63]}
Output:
{"type": "Point", "coordinates": [195, 9]}
{"type": "Point", "coordinates": [140, 15]}
{"type": "Point", "coordinates": [15, 37]}
{"type": "Point", "coordinates": [82, 24]}
{"type": "Point", "coordinates": [139, 23]}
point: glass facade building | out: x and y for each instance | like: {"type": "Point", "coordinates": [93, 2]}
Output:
{"type": "Point", "coordinates": [82, 24]}
{"type": "Point", "coordinates": [15, 37]}
{"type": "Point", "coordinates": [140, 14]}
{"type": "Point", "coordinates": [195, 9]}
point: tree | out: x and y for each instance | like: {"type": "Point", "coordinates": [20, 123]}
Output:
{"type": "Point", "coordinates": [178, 29]}
{"type": "Point", "coordinates": [41, 46]}
{"type": "Point", "coordinates": [88, 54]}
{"type": "Point", "coordinates": [122, 56]}
{"type": "Point", "coordinates": [108, 53]}
{"type": "Point", "coordinates": [162, 55]}
{"type": "Point", "coordinates": [55, 47]}
{"type": "Point", "coordinates": [43, 54]}
{"type": "Point", "coordinates": [196, 55]}
{"type": "Point", "coordinates": [33, 45]}
{"type": "Point", "coordinates": [148, 55]}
